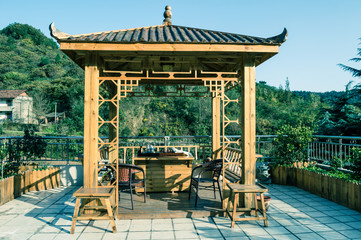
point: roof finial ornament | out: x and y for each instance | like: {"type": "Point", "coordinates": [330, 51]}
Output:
{"type": "Point", "coordinates": [167, 16]}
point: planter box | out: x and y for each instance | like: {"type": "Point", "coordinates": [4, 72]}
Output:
{"type": "Point", "coordinates": [337, 190]}
{"type": "Point", "coordinates": [14, 186]}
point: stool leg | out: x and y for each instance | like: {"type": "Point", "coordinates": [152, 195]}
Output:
{"type": "Point", "coordinates": [264, 211]}
{"type": "Point", "coordinates": [255, 203]}
{"type": "Point", "coordinates": [235, 203]}
{"type": "Point", "coordinates": [111, 216]}
{"type": "Point", "coordinates": [75, 216]}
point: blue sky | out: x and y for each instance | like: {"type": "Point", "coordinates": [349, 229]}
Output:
{"type": "Point", "coordinates": [322, 33]}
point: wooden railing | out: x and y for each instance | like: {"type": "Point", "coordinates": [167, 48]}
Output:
{"type": "Point", "coordinates": [14, 186]}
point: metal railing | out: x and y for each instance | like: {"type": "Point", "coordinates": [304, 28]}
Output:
{"type": "Point", "coordinates": [69, 150]}
{"type": "Point", "coordinates": [324, 149]}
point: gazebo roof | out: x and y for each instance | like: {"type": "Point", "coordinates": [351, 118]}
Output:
{"type": "Point", "coordinates": [167, 34]}
{"type": "Point", "coordinates": [184, 47]}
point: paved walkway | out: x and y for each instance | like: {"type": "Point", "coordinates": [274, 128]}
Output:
{"type": "Point", "coordinates": [294, 214]}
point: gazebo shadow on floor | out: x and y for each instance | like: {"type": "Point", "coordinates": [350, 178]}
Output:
{"type": "Point", "coordinates": [171, 205]}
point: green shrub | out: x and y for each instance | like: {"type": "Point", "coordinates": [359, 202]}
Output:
{"type": "Point", "coordinates": [355, 161]}
{"type": "Point", "coordinates": [336, 163]}
{"type": "Point", "coordinates": [290, 146]}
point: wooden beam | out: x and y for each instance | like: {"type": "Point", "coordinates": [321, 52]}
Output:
{"type": "Point", "coordinates": [248, 124]}
{"type": "Point", "coordinates": [91, 121]}
{"type": "Point", "coordinates": [216, 125]}
{"type": "Point", "coordinates": [167, 47]}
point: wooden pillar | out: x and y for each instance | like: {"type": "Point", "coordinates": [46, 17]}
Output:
{"type": "Point", "coordinates": [91, 121]}
{"type": "Point", "coordinates": [248, 123]}
{"type": "Point", "coordinates": [216, 126]}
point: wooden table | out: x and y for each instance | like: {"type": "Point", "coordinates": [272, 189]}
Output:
{"type": "Point", "coordinates": [166, 174]}
{"type": "Point", "coordinates": [236, 189]}
{"type": "Point", "coordinates": [103, 194]}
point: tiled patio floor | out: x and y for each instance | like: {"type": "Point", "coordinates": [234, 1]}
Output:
{"type": "Point", "coordinates": [294, 214]}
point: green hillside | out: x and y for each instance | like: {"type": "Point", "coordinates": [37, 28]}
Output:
{"type": "Point", "coordinates": [29, 60]}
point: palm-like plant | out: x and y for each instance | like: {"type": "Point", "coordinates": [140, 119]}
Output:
{"type": "Point", "coordinates": [355, 72]}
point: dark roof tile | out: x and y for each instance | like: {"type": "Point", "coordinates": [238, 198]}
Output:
{"type": "Point", "coordinates": [170, 34]}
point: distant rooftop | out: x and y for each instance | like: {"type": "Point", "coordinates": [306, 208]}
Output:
{"type": "Point", "coordinates": [6, 94]}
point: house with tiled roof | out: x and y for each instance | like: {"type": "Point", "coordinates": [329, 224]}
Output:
{"type": "Point", "coordinates": [16, 105]}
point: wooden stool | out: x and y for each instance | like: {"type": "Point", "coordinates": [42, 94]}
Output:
{"type": "Point", "coordinates": [100, 193]}
{"type": "Point", "coordinates": [236, 189]}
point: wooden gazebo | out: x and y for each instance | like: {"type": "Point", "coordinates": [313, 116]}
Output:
{"type": "Point", "coordinates": [131, 62]}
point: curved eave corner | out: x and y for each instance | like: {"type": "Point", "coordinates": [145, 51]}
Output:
{"type": "Point", "coordinates": [281, 38]}
{"type": "Point", "coordinates": [57, 34]}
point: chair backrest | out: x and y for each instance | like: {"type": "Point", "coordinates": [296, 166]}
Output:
{"type": "Point", "coordinates": [125, 172]}
{"type": "Point", "coordinates": [215, 166]}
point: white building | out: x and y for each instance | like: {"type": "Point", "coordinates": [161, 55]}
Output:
{"type": "Point", "coordinates": [16, 105]}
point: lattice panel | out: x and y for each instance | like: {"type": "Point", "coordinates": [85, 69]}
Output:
{"type": "Point", "coordinates": [127, 86]}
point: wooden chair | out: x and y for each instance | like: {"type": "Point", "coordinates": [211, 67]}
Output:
{"type": "Point", "coordinates": [126, 179]}
{"type": "Point", "coordinates": [215, 167]}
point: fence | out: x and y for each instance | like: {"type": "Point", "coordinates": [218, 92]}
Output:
{"type": "Point", "coordinates": [69, 150]}
{"type": "Point", "coordinates": [14, 186]}
{"type": "Point", "coordinates": [324, 149]}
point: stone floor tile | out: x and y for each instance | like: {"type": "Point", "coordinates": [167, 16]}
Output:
{"type": "Point", "coordinates": [140, 225]}
{"type": "Point", "coordinates": [15, 236]}
{"type": "Point", "coordinates": [162, 221]}
{"type": "Point", "coordinates": [319, 228]}
{"type": "Point", "coordinates": [113, 236]}
{"type": "Point", "coordinates": [122, 225]}
{"type": "Point", "coordinates": [162, 227]}
{"type": "Point", "coordinates": [351, 233]}
{"type": "Point", "coordinates": [67, 236]}
{"type": "Point", "coordinates": [260, 237]}
{"type": "Point", "coordinates": [94, 229]}
{"type": "Point", "coordinates": [327, 220]}
{"type": "Point", "coordinates": [43, 236]}
{"type": "Point", "coordinates": [277, 230]}
{"type": "Point", "coordinates": [163, 235]}
{"type": "Point", "coordinates": [139, 235]}
{"type": "Point", "coordinates": [285, 237]}
{"type": "Point", "coordinates": [330, 235]}
{"type": "Point", "coordinates": [339, 226]}
{"type": "Point", "coordinates": [186, 234]}
{"type": "Point", "coordinates": [182, 220]}
{"type": "Point", "coordinates": [255, 232]}
{"type": "Point", "coordinates": [356, 225]}
{"type": "Point", "coordinates": [288, 222]}
{"type": "Point", "coordinates": [308, 221]}
{"type": "Point", "coordinates": [345, 219]}
{"type": "Point", "coordinates": [50, 229]}
{"type": "Point", "coordinates": [91, 236]}
{"type": "Point", "coordinates": [209, 234]}
{"type": "Point", "coordinates": [298, 229]}
{"type": "Point", "coordinates": [308, 236]}
{"type": "Point", "coordinates": [316, 214]}
{"type": "Point", "coordinates": [183, 226]}
{"type": "Point", "coordinates": [231, 232]}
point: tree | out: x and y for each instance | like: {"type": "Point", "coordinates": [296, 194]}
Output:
{"type": "Point", "coordinates": [41, 105]}
{"type": "Point", "coordinates": [354, 71]}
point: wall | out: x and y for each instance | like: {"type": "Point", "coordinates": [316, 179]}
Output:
{"type": "Point", "coordinates": [71, 175]}
{"type": "Point", "coordinates": [23, 109]}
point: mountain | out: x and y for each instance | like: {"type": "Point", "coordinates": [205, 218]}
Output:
{"type": "Point", "coordinates": [29, 60]}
